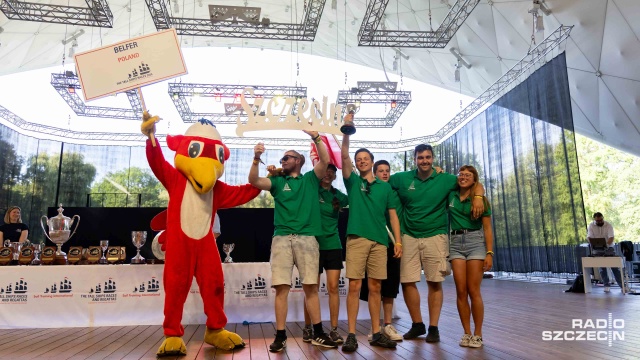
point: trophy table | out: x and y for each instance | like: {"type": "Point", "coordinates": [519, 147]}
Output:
{"type": "Point", "coordinates": [59, 232]}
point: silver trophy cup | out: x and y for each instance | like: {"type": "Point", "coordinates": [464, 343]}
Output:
{"type": "Point", "coordinates": [139, 238]}
{"type": "Point", "coordinates": [228, 248]}
{"type": "Point", "coordinates": [59, 230]}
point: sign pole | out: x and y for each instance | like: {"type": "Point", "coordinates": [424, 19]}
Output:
{"type": "Point", "coordinates": [144, 110]}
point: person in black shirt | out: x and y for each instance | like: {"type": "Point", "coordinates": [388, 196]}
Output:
{"type": "Point", "coordinates": [13, 229]}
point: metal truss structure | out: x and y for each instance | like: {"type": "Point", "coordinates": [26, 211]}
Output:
{"type": "Point", "coordinates": [369, 35]}
{"type": "Point", "coordinates": [180, 91]}
{"type": "Point", "coordinates": [96, 14]}
{"type": "Point", "coordinates": [305, 31]}
{"type": "Point", "coordinates": [68, 85]}
{"type": "Point", "coordinates": [370, 92]}
{"type": "Point", "coordinates": [535, 58]}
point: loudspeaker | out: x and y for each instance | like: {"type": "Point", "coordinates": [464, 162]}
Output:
{"type": "Point", "coordinates": [626, 247]}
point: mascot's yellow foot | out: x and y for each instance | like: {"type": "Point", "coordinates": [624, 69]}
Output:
{"type": "Point", "coordinates": [223, 339]}
{"type": "Point", "coordinates": [172, 346]}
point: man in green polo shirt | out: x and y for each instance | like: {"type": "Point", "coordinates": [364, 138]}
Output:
{"type": "Point", "coordinates": [367, 240]}
{"type": "Point", "coordinates": [424, 193]}
{"type": "Point", "coordinates": [296, 222]}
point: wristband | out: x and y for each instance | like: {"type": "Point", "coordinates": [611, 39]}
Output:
{"type": "Point", "coordinates": [490, 253]}
{"type": "Point", "coordinates": [399, 244]}
{"type": "Point", "coordinates": [256, 161]}
{"type": "Point", "coordinates": [480, 196]}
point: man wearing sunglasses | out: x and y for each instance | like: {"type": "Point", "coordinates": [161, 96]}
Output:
{"type": "Point", "coordinates": [424, 193]}
{"type": "Point", "coordinates": [367, 240]}
{"type": "Point", "coordinates": [297, 222]}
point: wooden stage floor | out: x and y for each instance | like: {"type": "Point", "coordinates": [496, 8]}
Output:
{"type": "Point", "coordinates": [516, 314]}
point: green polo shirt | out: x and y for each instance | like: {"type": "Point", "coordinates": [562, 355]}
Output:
{"type": "Point", "coordinates": [460, 213]}
{"type": "Point", "coordinates": [296, 204]}
{"type": "Point", "coordinates": [367, 208]}
{"type": "Point", "coordinates": [329, 238]}
{"type": "Point", "coordinates": [424, 202]}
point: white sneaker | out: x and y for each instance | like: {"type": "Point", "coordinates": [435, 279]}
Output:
{"type": "Point", "coordinates": [370, 337]}
{"type": "Point", "coordinates": [475, 342]}
{"type": "Point", "coordinates": [464, 342]}
{"type": "Point", "coordinates": [391, 332]}
{"type": "Point", "coordinates": [607, 288]}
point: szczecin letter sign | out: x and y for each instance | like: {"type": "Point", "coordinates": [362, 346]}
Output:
{"type": "Point", "coordinates": [288, 113]}
{"type": "Point", "coordinates": [130, 64]}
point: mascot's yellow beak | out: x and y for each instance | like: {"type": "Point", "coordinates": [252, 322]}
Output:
{"type": "Point", "coordinates": [202, 172]}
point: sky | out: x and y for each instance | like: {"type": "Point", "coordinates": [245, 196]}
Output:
{"type": "Point", "coordinates": [31, 96]}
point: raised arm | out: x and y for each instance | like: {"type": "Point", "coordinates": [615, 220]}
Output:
{"type": "Point", "coordinates": [321, 167]}
{"type": "Point", "coordinates": [347, 166]}
{"type": "Point", "coordinates": [261, 183]}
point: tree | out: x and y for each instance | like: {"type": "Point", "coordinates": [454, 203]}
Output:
{"type": "Point", "coordinates": [121, 188]}
{"type": "Point", "coordinates": [10, 165]}
{"type": "Point", "coordinates": [264, 200]}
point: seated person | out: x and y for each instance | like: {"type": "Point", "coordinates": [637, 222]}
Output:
{"type": "Point", "coordinates": [13, 229]}
{"type": "Point", "coordinates": [599, 228]}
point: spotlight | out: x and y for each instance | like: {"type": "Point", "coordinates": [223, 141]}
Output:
{"type": "Point", "coordinates": [539, 22]}
{"type": "Point", "coordinates": [394, 104]}
{"type": "Point", "coordinates": [71, 89]}
{"type": "Point", "coordinates": [456, 74]}
{"type": "Point", "coordinates": [218, 97]}
{"type": "Point", "coordinates": [395, 64]}
{"type": "Point", "coordinates": [175, 96]}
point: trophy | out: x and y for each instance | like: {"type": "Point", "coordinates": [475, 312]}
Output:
{"type": "Point", "coordinates": [59, 231]}
{"type": "Point", "coordinates": [228, 248]}
{"type": "Point", "coordinates": [37, 248]}
{"type": "Point", "coordinates": [138, 238]}
{"type": "Point", "coordinates": [348, 128]}
{"type": "Point", "coordinates": [15, 248]}
{"type": "Point", "coordinates": [104, 244]}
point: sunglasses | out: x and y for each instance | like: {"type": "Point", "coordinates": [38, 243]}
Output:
{"type": "Point", "coordinates": [286, 158]}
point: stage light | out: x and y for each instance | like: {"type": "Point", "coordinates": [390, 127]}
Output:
{"type": "Point", "coordinates": [539, 22]}
{"type": "Point", "coordinates": [456, 74]}
{"type": "Point", "coordinates": [394, 104]}
{"type": "Point", "coordinates": [236, 98]}
{"type": "Point", "coordinates": [218, 97]}
{"type": "Point", "coordinates": [175, 96]}
{"type": "Point", "coordinates": [71, 89]}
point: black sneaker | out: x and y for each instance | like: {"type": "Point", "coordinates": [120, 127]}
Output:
{"type": "Point", "coordinates": [415, 331]}
{"type": "Point", "coordinates": [278, 344]}
{"type": "Point", "coordinates": [433, 336]}
{"type": "Point", "coordinates": [381, 340]}
{"type": "Point", "coordinates": [335, 336]}
{"type": "Point", "coordinates": [324, 340]}
{"type": "Point", "coordinates": [307, 333]}
{"type": "Point", "coordinates": [351, 344]}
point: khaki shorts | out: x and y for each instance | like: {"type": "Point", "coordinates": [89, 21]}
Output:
{"type": "Point", "coordinates": [299, 250]}
{"type": "Point", "coordinates": [366, 254]}
{"type": "Point", "coordinates": [429, 254]}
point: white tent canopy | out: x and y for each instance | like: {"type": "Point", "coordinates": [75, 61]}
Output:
{"type": "Point", "coordinates": [602, 51]}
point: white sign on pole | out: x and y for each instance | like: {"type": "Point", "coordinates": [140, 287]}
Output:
{"type": "Point", "coordinates": [130, 64]}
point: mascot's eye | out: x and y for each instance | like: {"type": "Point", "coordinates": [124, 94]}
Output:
{"type": "Point", "coordinates": [195, 149]}
{"type": "Point", "coordinates": [220, 151]}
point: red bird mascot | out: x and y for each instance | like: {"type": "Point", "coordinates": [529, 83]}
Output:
{"type": "Point", "coordinates": [195, 193]}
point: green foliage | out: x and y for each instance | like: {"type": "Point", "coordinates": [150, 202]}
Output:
{"type": "Point", "coordinates": [10, 165]}
{"type": "Point", "coordinates": [398, 162]}
{"type": "Point", "coordinates": [264, 200]}
{"type": "Point", "coordinates": [121, 188]}
{"type": "Point", "coordinates": [610, 185]}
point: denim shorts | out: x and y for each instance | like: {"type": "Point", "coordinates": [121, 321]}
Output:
{"type": "Point", "coordinates": [469, 246]}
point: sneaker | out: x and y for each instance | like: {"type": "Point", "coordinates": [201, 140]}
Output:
{"type": "Point", "coordinates": [351, 344]}
{"type": "Point", "coordinates": [324, 340]}
{"type": "Point", "coordinates": [379, 339]}
{"type": "Point", "coordinates": [307, 333]}
{"type": "Point", "coordinates": [278, 344]}
{"type": "Point", "coordinates": [391, 333]}
{"type": "Point", "coordinates": [464, 342]}
{"type": "Point", "coordinates": [335, 336]}
{"type": "Point", "coordinates": [415, 331]}
{"type": "Point", "coordinates": [433, 336]}
{"type": "Point", "coordinates": [369, 336]}
{"type": "Point", "coordinates": [607, 288]}
{"type": "Point", "coordinates": [475, 342]}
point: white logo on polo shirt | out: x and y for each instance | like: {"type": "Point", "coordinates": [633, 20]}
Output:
{"type": "Point", "coordinates": [286, 187]}
{"type": "Point", "coordinates": [412, 186]}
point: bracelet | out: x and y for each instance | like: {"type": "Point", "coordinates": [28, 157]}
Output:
{"type": "Point", "coordinates": [316, 138]}
{"type": "Point", "coordinates": [399, 244]}
{"type": "Point", "coordinates": [480, 196]}
{"type": "Point", "coordinates": [256, 161]}
{"type": "Point", "coordinates": [490, 253]}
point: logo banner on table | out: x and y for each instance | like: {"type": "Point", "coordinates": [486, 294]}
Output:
{"type": "Point", "coordinates": [130, 64]}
